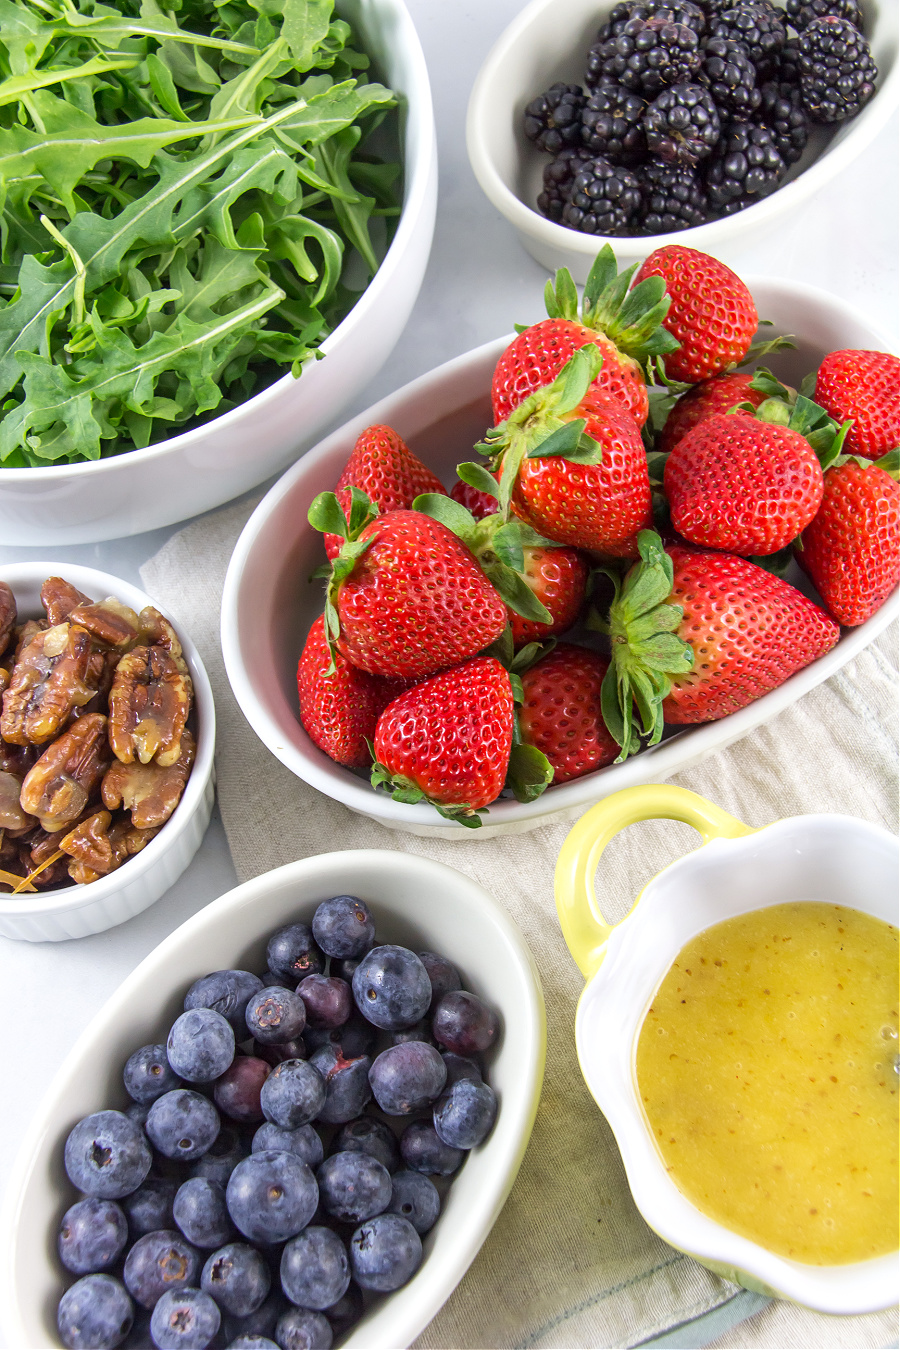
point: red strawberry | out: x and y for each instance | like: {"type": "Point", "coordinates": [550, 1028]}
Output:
{"type": "Point", "coordinates": [719, 394]}
{"type": "Point", "coordinates": [742, 484]}
{"type": "Point", "coordinates": [383, 467]}
{"type": "Point", "coordinates": [448, 740]}
{"type": "Point", "coordinates": [561, 714]}
{"type": "Point", "coordinates": [406, 597]}
{"type": "Point", "coordinates": [558, 577]}
{"type": "Point", "coordinates": [625, 336]}
{"type": "Point", "coordinates": [712, 313]}
{"type": "Point", "coordinates": [480, 504]}
{"type": "Point", "coordinates": [852, 548]}
{"type": "Point", "coordinates": [865, 386]}
{"type": "Point", "coordinates": [339, 711]}
{"type": "Point", "coordinates": [573, 463]}
{"type": "Point", "coordinates": [698, 635]}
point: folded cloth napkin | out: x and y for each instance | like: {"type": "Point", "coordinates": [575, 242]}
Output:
{"type": "Point", "coordinates": [570, 1262]}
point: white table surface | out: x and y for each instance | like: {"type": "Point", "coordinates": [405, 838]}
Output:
{"type": "Point", "coordinates": [479, 282]}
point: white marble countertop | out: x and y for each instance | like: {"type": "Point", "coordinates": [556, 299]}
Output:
{"type": "Point", "coordinates": [479, 282]}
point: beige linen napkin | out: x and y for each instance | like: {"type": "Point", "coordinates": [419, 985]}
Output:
{"type": "Point", "coordinates": [570, 1261]}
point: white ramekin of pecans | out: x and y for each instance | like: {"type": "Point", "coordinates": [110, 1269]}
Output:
{"type": "Point", "coordinates": [107, 735]}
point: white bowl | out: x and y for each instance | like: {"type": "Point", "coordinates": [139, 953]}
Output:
{"type": "Point", "coordinates": [202, 468]}
{"type": "Point", "coordinates": [76, 911]}
{"type": "Point", "coordinates": [268, 604]}
{"type": "Point", "coordinates": [460, 920]}
{"type": "Point", "coordinates": [549, 41]}
{"type": "Point", "coordinates": [830, 858]}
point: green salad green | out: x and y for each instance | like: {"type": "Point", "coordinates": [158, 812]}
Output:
{"type": "Point", "coordinates": [190, 203]}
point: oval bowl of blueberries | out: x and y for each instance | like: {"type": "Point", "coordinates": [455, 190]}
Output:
{"type": "Point", "coordinates": [297, 1119]}
{"type": "Point", "coordinates": [706, 120]}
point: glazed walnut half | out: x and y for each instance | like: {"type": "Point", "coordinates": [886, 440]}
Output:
{"type": "Point", "coordinates": [48, 680]}
{"type": "Point", "coordinates": [61, 784]}
{"type": "Point", "coordinates": [148, 707]}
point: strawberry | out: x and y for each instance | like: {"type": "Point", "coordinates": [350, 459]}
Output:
{"type": "Point", "coordinates": [339, 711]}
{"type": "Point", "coordinates": [852, 548]}
{"type": "Point", "coordinates": [479, 504]}
{"type": "Point", "coordinates": [383, 467]}
{"type": "Point", "coordinates": [698, 635]}
{"type": "Point", "coordinates": [625, 327]}
{"type": "Point", "coordinates": [712, 313]}
{"type": "Point", "coordinates": [739, 483]}
{"type": "Point", "coordinates": [558, 577]}
{"type": "Point", "coordinates": [572, 463]}
{"type": "Point", "coordinates": [448, 740]}
{"type": "Point", "coordinates": [561, 711]}
{"type": "Point", "coordinates": [865, 386]}
{"type": "Point", "coordinates": [405, 598]}
{"type": "Point", "coordinates": [719, 394]}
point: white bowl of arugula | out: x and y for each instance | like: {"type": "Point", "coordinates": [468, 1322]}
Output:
{"type": "Point", "coordinates": [216, 223]}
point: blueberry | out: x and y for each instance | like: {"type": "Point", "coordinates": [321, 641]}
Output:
{"type": "Point", "coordinates": [237, 1277]}
{"type": "Point", "coordinates": [137, 1112]}
{"type": "Point", "coordinates": [368, 1135]}
{"type": "Point", "coordinates": [185, 1319]}
{"type": "Point", "coordinates": [262, 1321]}
{"type": "Point", "coordinates": [292, 951]}
{"type": "Point", "coordinates": [275, 1054]}
{"type": "Point", "coordinates": [275, 1015]}
{"type": "Point", "coordinates": [356, 1037]}
{"type": "Point", "coordinates": [148, 1074]}
{"type": "Point", "coordinates": [293, 1094]}
{"type": "Point", "coordinates": [407, 1078]}
{"type": "Point", "coordinates": [299, 1329]}
{"type": "Point", "coordinates": [415, 1197]}
{"type": "Point", "coordinates": [304, 1142]}
{"type": "Point", "coordinates": [460, 1066]}
{"type": "Point", "coordinates": [271, 1196]}
{"type": "Point", "coordinates": [157, 1262]}
{"type": "Point", "coordinates": [252, 1343]}
{"type": "Point", "coordinates": [347, 1311]}
{"type": "Point", "coordinates": [353, 1186]}
{"type": "Point", "coordinates": [315, 1271]}
{"type": "Point", "coordinates": [226, 992]}
{"type": "Point", "coordinates": [149, 1208]}
{"type": "Point", "coordinates": [346, 969]}
{"type": "Point", "coordinates": [444, 977]}
{"type": "Point", "coordinates": [222, 1156]}
{"type": "Point", "coordinates": [346, 1082]}
{"type": "Point", "coordinates": [343, 927]}
{"type": "Point", "coordinates": [272, 980]}
{"type": "Point", "coordinates": [183, 1124]}
{"type": "Point", "coordinates": [201, 1213]}
{"type": "Point", "coordinates": [465, 1114]}
{"type": "Point", "coordinates": [424, 1151]}
{"type": "Point", "coordinates": [385, 1252]}
{"type": "Point", "coordinates": [329, 1001]}
{"type": "Point", "coordinates": [236, 1093]}
{"type": "Point", "coordinates": [94, 1314]}
{"type": "Point", "coordinates": [92, 1236]}
{"type": "Point", "coordinates": [107, 1155]}
{"type": "Point", "coordinates": [465, 1024]}
{"type": "Point", "coordinates": [200, 1045]}
{"type": "Point", "coordinates": [421, 1031]}
{"type": "Point", "coordinates": [391, 988]}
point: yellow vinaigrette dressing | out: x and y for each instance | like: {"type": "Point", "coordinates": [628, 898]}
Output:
{"type": "Point", "coordinates": [766, 1066]}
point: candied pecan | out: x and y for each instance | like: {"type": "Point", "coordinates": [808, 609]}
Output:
{"type": "Point", "coordinates": [48, 681]}
{"type": "Point", "coordinates": [7, 615]}
{"type": "Point", "coordinates": [12, 817]}
{"type": "Point", "coordinates": [148, 706]}
{"type": "Point", "coordinates": [53, 871]}
{"type": "Point", "coordinates": [59, 598]}
{"type": "Point", "coordinates": [156, 631]}
{"type": "Point", "coordinates": [90, 842]}
{"type": "Point", "coordinates": [17, 759]}
{"type": "Point", "coordinates": [64, 780]}
{"type": "Point", "coordinates": [101, 669]}
{"type": "Point", "coordinates": [5, 676]}
{"type": "Point", "coordinates": [24, 633]}
{"type": "Point", "coordinates": [108, 621]}
{"type": "Point", "coordinates": [148, 791]}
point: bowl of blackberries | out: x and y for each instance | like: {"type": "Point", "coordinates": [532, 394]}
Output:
{"type": "Point", "coordinates": [706, 119]}
{"type": "Point", "coordinates": [293, 1125]}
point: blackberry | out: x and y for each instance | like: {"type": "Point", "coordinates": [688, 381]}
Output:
{"type": "Point", "coordinates": [759, 26]}
{"type": "Point", "coordinates": [783, 113]}
{"type": "Point", "coordinates": [745, 167]}
{"type": "Point", "coordinates": [651, 54]}
{"type": "Point", "coordinates": [611, 125]}
{"type": "Point", "coordinates": [730, 77]}
{"type": "Point", "coordinates": [559, 176]}
{"type": "Point", "coordinates": [837, 73]}
{"type": "Point", "coordinates": [801, 13]}
{"type": "Point", "coordinates": [553, 119]}
{"type": "Point", "coordinates": [672, 197]}
{"type": "Point", "coordinates": [605, 199]}
{"type": "Point", "coordinates": [682, 125]}
{"type": "Point", "coordinates": [789, 64]}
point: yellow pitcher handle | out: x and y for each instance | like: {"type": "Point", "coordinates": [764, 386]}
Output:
{"type": "Point", "coordinates": [584, 928]}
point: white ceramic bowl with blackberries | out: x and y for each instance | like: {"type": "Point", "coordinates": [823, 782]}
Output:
{"type": "Point", "coordinates": [549, 44]}
{"type": "Point", "coordinates": [118, 1113]}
